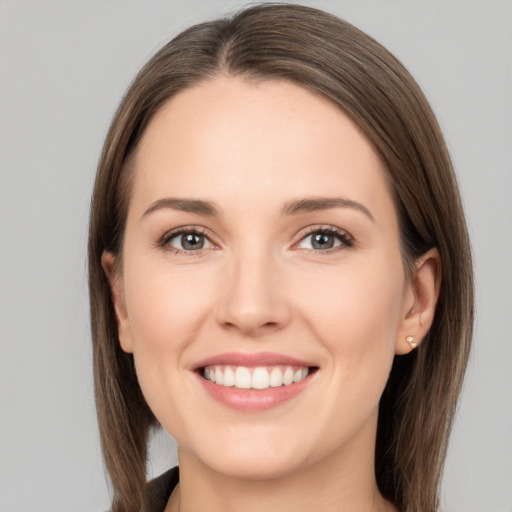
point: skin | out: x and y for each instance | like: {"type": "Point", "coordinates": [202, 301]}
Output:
{"type": "Point", "coordinates": [258, 285]}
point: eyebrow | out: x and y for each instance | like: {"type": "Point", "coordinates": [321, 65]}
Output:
{"type": "Point", "coordinates": [311, 204]}
{"type": "Point", "coordinates": [185, 205]}
{"type": "Point", "coordinates": [295, 207]}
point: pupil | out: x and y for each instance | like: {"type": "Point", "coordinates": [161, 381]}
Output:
{"type": "Point", "coordinates": [323, 241]}
{"type": "Point", "coordinates": [192, 241]}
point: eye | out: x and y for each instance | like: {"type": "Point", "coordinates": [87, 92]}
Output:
{"type": "Point", "coordinates": [325, 239]}
{"type": "Point", "coordinates": [186, 240]}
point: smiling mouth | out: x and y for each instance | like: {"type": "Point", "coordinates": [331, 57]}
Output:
{"type": "Point", "coordinates": [258, 378]}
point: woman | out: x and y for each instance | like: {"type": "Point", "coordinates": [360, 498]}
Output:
{"type": "Point", "coordinates": [280, 273]}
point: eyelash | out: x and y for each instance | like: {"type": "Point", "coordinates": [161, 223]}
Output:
{"type": "Point", "coordinates": [192, 230]}
{"type": "Point", "coordinates": [346, 241]}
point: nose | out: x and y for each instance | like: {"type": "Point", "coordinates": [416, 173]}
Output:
{"type": "Point", "coordinates": [254, 300]}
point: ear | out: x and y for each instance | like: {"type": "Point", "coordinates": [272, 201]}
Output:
{"type": "Point", "coordinates": [420, 301]}
{"type": "Point", "coordinates": [108, 262]}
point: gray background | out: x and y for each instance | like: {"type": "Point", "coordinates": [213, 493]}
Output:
{"type": "Point", "coordinates": [64, 66]}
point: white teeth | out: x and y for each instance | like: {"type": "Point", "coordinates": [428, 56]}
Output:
{"type": "Point", "coordinates": [229, 377]}
{"type": "Point", "coordinates": [288, 377]}
{"type": "Point", "coordinates": [276, 378]}
{"type": "Point", "coordinates": [254, 378]}
{"type": "Point", "coordinates": [218, 375]}
{"type": "Point", "coordinates": [242, 378]}
{"type": "Point", "coordinates": [260, 379]}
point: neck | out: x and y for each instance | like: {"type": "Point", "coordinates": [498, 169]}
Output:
{"type": "Point", "coordinates": [341, 482]}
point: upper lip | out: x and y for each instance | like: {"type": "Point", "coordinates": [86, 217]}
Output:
{"type": "Point", "coordinates": [251, 360]}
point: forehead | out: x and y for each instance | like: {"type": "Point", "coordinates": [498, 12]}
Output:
{"type": "Point", "coordinates": [265, 141]}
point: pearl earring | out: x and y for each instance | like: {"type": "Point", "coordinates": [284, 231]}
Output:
{"type": "Point", "coordinates": [410, 340]}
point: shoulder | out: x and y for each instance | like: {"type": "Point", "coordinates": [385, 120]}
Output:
{"type": "Point", "coordinates": [161, 487]}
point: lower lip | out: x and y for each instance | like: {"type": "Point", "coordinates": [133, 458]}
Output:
{"type": "Point", "coordinates": [253, 399]}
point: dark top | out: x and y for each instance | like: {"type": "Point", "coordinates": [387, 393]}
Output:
{"type": "Point", "coordinates": [160, 489]}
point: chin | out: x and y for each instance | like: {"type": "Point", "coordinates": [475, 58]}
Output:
{"type": "Point", "coordinates": [255, 454]}
{"type": "Point", "coordinates": [255, 466]}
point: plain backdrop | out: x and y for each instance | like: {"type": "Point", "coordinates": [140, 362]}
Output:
{"type": "Point", "coordinates": [64, 66]}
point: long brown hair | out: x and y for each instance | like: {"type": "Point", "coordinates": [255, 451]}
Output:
{"type": "Point", "coordinates": [334, 59]}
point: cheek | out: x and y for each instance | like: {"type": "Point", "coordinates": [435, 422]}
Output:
{"type": "Point", "coordinates": [355, 313]}
{"type": "Point", "coordinates": [166, 311]}
{"type": "Point", "coordinates": [354, 299]}
{"type": "Point", "coordinates": [164, 307]}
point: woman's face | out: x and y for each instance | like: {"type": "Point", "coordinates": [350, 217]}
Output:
{"type": "Point", "coordinates": [262, 244]}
